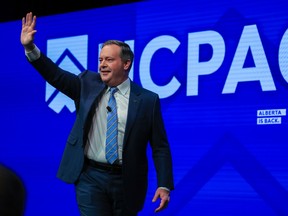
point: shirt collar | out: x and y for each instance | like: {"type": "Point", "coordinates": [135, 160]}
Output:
{"type": "Point", "coordinates": [123, 87]}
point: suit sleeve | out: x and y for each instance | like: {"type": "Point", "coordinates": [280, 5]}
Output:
{"type": "Point", "coordinates": [64, 81]}
{"type": "Point", "coordinates": [161, 152]}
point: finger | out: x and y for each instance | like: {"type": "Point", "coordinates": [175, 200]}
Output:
{"type": "Point", "coordinates": [163, 204]}
{"type": "Point", "coordinates": [29, 18]}
{"type": "Point", "coordinates": [154, 198]}
{"type": "Point", "coordinates": [158, 209]}
{"type": "Point", "coordinates": [33, 22]}
{"type": "Point", "coordinates": [23, 22]}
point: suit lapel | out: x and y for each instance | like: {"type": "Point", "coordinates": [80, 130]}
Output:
{"type": "Point", "coordinates": [94, 95]}
{"type": "Point", "coordinates": [134, 102]}
{"type": "Point", "coordinates": [92, 100]}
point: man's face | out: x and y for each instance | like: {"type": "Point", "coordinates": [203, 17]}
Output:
{"type": "Point", "coordinates": [112, 69]}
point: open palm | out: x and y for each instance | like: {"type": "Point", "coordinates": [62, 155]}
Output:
{"type": "Point", "coordinates": [28, 30]}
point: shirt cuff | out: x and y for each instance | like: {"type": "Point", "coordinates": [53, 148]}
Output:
{"type": "Point", "coordinates": [33, 55]}
{"type": "Point", "coordinates": [164, 188]}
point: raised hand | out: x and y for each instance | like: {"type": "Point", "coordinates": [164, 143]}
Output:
{"type": "Point", "coordinates": [28, 31]}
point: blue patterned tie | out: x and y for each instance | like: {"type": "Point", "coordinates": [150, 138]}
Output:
{"type": "Point", "coordinates": [112, 129]}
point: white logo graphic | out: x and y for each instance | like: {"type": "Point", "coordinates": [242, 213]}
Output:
{"type": "Point", "coordinates": [70, 53]}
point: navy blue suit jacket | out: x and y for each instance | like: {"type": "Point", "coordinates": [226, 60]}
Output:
{"type": "Point", "coordinates": [144, 126]}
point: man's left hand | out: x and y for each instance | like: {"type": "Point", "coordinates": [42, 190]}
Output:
{"type": "Point", "coordinates": [164, 195]}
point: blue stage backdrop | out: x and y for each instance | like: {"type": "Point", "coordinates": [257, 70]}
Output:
{"type": "Point", "coordinates": [221, 71]}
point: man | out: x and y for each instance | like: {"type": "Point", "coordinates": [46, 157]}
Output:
{"type": "Point", "coordinates": [105, 187]}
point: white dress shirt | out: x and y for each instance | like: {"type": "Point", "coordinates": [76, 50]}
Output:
{"type": "Point", "coordinates": [95, 146]}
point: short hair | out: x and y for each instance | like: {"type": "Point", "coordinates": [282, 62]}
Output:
{"type": "Point", "coordinates": [125, 53]}
{"type": "Point", "coordinates": [12, 193]}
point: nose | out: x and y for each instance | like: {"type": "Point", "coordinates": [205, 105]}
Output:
{"type": "Point", "coordinates": [102, 64]}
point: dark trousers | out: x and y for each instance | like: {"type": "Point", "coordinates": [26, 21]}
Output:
{"type": "Point", "coordinates": [100, 193]}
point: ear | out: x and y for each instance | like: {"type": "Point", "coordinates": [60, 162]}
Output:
{"type": "Point", "coordinates": [127, 64]}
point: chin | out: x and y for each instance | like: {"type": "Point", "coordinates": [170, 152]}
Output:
{"type": "Point", "coordinates": [104, 77]}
